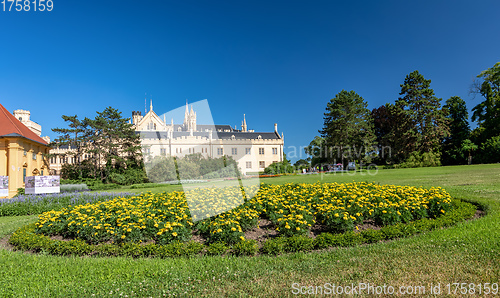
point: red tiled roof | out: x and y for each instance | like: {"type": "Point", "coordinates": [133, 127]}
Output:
{"type": "Point", "coordinates": [10, 126]}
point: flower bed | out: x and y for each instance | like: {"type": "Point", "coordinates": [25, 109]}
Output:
{"type": "Point", "coordinates": [293, 209]}
{"type": "Point", "coordinates": [26, 238]}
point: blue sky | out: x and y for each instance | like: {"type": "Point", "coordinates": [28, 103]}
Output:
{"type": "Point", "coordinates": [275, 61]}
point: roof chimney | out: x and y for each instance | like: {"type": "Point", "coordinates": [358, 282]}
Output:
{"type": "Point", "coordinates": [276, 127]}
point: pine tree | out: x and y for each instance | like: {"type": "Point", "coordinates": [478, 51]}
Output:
{"type": "Point", "coordinates": [348, 128]}
{"type": "Point", "coordinates": [427, 126]}
{"type": "Point", "coordinates": [113, 142]}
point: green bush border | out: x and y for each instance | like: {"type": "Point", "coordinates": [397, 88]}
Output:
{"type": "Point", "coordinates": [26, 239]}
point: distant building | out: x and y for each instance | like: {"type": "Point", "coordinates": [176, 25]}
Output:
{"type": "Point", "coordinates": [24, 117]}
{"type": "Point", "coordinates": [21, 149]}
{"type": "Point", "coordinates": [253, 151]}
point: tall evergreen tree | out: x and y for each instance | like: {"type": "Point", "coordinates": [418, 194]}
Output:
{"type": "Point", "coordinates": [458, 118]}
{"type": "Point", "coordinates": [113, 142]}
{"type": "Point", "coordinates": [428, 125]}
{"type": "Point", "coordinates": [348, 128]}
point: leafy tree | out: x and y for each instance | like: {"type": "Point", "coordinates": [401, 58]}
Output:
{"type": "Point", "coordinates": [457, 115]}
{"type": "Point", "coordinates": [303, 163]}
{"type": "Point", "coordinates": [390, 126]}
{"type": "Point", "coordinates": [467, 147]}
{"type": "Point", "coordinates": [317, 150]}
{"type": "Point", "coordinates": [282, 167]}
{"type": "Point", "coordinates": [428, 126]}
{"type": "Point", "coordinates": [348, 128]}
{"type": "Point", "coordinates": [106, 147]}
{"type": "Point", "coordinates": [491, 149]}
{"type": "Point", "coordinates": [487, 112]}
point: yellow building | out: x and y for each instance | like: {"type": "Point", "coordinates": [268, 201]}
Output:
{"type": "Point", "coordinates": [21, 152]}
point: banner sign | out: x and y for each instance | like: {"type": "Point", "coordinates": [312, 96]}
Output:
{"type": "Point", "coordinates": [42, 184]}
{"type": "Point", "coordinates": [4, 186]}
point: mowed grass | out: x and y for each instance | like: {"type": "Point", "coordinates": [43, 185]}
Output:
{"type": "Point", "coordinates": [466, 253]}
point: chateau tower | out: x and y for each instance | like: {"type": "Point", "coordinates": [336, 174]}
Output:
{"type": "Point", "coordinates": [244, 124]}
{"type": "Point", "coordinates": [189, 119]}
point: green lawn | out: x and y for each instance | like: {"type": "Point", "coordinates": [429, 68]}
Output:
{"type": "Point", "coordinates": [466, 253]}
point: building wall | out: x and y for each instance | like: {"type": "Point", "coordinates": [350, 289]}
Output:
{"type": "Point", "coordinates": [262, 152]}
{"type": "Point", "coordinates": [19, 157]}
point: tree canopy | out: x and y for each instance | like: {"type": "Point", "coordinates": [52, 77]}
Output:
{"type": "Point", "coordinates": [458, 119]}
{"type": "Point", "coordinates": [103, 147]}
{"type": "Point", "coordinates": [348, 128]}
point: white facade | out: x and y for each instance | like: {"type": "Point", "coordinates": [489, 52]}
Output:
{"type": "Point", "coordinates": [252, 150]}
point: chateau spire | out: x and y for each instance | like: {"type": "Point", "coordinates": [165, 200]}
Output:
{"type": "Point", "coordinates": [151, 104]}
{"type": "Point", "coordinates": [244, 124]}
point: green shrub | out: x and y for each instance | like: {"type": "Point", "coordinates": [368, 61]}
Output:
{"type": "Point", "coordinates": [391, 232]}
{"type": "Point", "coordinates": [418, 159]}
{"type": "Point", "coordinates": [107, 250]}
{"type": "Point", "coordinates": [217, 248]}
{"type": "Point", "coordinates": [20, 192]}
{"type": "Point", "coordinates": [350, 239]}
{"type": "Point", "coordinates": [326, 240]}
{"type": "Point", "coordinates": [299, 243]}
{"type": "Point", "coordinates": [131, 250]}
{"type": "Point", "coordinates": [372, 236]}
{"type": "Point", "coordinates": [274, 246]}
{"type": "Point", "coordinates": [246, 248]}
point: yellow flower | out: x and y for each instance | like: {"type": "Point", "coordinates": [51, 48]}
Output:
{"type": "Point", "coordinates": [297, 228]}
{"type": "Point", "coordinates": [174, 234]}
{"type": "Point", "coordinates": [123, 236]}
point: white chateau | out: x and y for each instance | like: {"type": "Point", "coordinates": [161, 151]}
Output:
{"type": "Point", "coordinates": [252, 150]}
